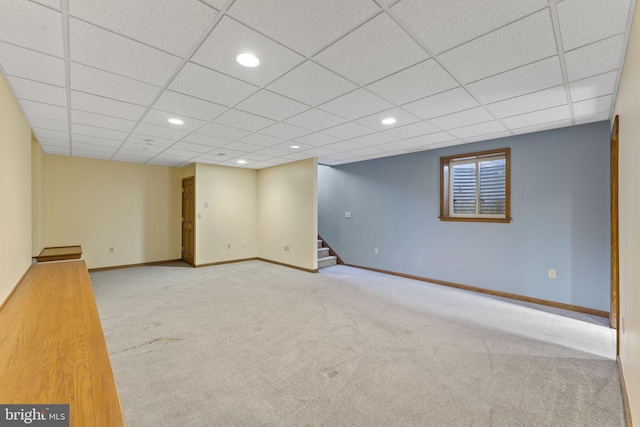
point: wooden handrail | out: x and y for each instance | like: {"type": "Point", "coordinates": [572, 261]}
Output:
{"type": "Point", "coordinates": [52, 349]}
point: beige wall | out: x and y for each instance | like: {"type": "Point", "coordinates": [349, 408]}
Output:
{"type": "Point", "coordinates": [101, 204]}
{"type": "Point", "coordinates": [36, 198]}
{"type": "Point", "coordinates": [628, 108]}
{"type": "Point", "coordinates": [228, 228]}
{"type": "Point", "coordinates": [15, 190]}
{"type": "Point", "coordinates": [288, 206]}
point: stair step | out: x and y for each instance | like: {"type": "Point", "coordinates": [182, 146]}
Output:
{"type": "Point", "coordinates": [327, 261]}
{"type": "Point", "coordinates": [319, 243]}
{"type": "Point", "coordinates": [323, 252]}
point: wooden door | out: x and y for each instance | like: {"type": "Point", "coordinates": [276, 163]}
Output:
{"type": "Point", "coordinates": [188, 220]}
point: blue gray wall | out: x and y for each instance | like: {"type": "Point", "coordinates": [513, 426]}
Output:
{"type": "Point", "coordinates": [559, 206]}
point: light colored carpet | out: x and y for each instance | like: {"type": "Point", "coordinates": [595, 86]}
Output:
{"type": "Point", "coordinates": [256, 344]}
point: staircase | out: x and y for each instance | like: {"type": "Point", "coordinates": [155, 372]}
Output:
{"type": "Point", "coordinates": [324, 259]}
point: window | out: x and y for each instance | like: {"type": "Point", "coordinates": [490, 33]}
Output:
{"type": "Point", "coordinates": [475, 187]}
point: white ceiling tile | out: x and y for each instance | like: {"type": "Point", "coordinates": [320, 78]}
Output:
{"type": "Point", "coordinates": [90, 45]}
{"type": "Point", "coordinates": [348, 130]}
{"type": "Point", "coordinates": [145, 148]}
{"type": "Point", "coordinates": [430, 139]}
{"type": "Point", "coordinates": [274, 152]}
{"type": "Point", "coordinates": [396, 145]}
{"type": "Point", "coordinates": [262, 140]}
{"type": "Point", "coordinates": [419, 81]}
{"type": "Point", "coordinates": [317, 139]}
{"type": "Point", "coordinates": [540, 100]}
{"type": "Point", "coordinates": [357, 104]}
{"type": "Point", "coordinates": [28, 64]}
{"type": "Point", "coordinates": [243, 146]}
{"type": "Point", "coordinates": [297, 156]}
{"type": "Point", "coordinates": [131, 155]}
{"type": "Point", "coordinates": [38, 109]}
{"type": "Point", "coordinates": [49, 149]}
{"type": "Point", "coordinates": [207, 140]}
{"type": "Point", "coordinates": [373, 51]}
{"type": "Point", "coordinates": [592, 106]}
{"type": "Point", "coordinates": [477, 130]}
{"type": "Point", "coordinates": [504, 49]}
{"type": "Point", "coordinates": [109, 107]}
{"type": "Point", "coordinates": [369, 151]}
{"type": "Point", "coordinates": [162, 160]}
{"type": "Point", "coordinates": [188, 146]}
{"type": "Point", "coordinates": [93, 140]}
{"type": "Point", "coordinates": [315, 119]}
{"type": "Point", "coordinates": [50, 124]}
{"type": "Point", "coordinates": [52, 137]}
{"type": "Point", "coordinates": [595, 58]}
{"type": "Point", "coordinates": [241, 120]}
{"type": "Point", "coordinates": [402, 118]}
{"type": "Point", "coordinates": [340, 147]}
{"type": "Point", "coordinates": [443, 103]}
{"type": "Point", "coordinates": [174, 102]}
{"type": "Point", "coordinates": [210, 85]}
{"type": "Point", "coordinates": [91, 154]}
{"type": "Point", "coordinates": [98, 120]}
{"type": "Point", "coordinates": [319, 151]}
{"type": "Point", "coordinates": [230, 38]}
{"type": "Point", "coordinates": [304, 29]}
{"type": "Point", "coordinates": [412, 130]}
{"type": "Point", "coordinates": [221, 154]}
{"type": "Point", "coordinates": [40, 92]}
{"type": "Point", "coordinates": [489, 136]}
{"type": "Point", "coordinates": [287, 145]}
{"type": "Point", "coordinates": [98, 82]}
{"type": "Point", "coordinates": [463, 118]}
{"type": "Point", "coordinates": [166, 24]}
{"type": "Point", "coordinates": [222, 131]}
{"type": "Point", "coordinates": [372, 139]}
{"type": "Point", "coordinates": [218, 4]}
{"type": "Point", "coordinates": [586, 21]}
{"type": "Point", "coordinates": [160, 131]}
{"type": "Point", "coordinates": [538, 117]}
{"type": "Point", "coordinates": [312, 84]}
{"type": "Point", "coordinates": [98, 132]}
{"type": "Point", "coordinates": [256, 157]}
{"type": "Point", "coordinates": [530, 78]}
{"type": "Point", "coordinates": [161, 118]}
{"type": "Point", "coordinates": [180, 154]}
{"type": "Point", "coordinates": [544, 126]}
{"type": "Point", "coordinates": [30, 25]}
{"type": "Point", "coordinates": [285, 131]}
{"type": "Point", "coordinates": [593, 87]}
{"type": "Point", "coordinates": [442, 25]}
{"type": "Point", "coordinates": [51, 3]}
{"type": "Point", "coordinates": [592, 118]}
{"type": "Point", "coordinates": [151, 140]}
{"type": "Point", "coordinates": [268, 104]}
{"type": "Point", "coordinates": [95, 148]}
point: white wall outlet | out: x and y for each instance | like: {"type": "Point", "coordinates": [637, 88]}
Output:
{"type": "Point", "coordinates": [286, 248]}
{"type": "Point", "coordinates": [622, 325]}
{"type": "Point", "coordinates": [206, 204]}
{"type": "Point", "coordinates": [228, 245]}
{"type": "Point", "coordinates": [375, 251]}
{"type": "Point", "coordinates": [111, 249]}
{"type": "Point", "coordinates": [244, 244]}
{"type": "Point", "coordinates": [347, 214]}
{"type": "Point", "coordinates": [199, 215]}
{"type": "Point", "coordinates": [552, 273]}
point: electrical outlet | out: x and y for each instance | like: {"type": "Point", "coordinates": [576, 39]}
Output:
{"type": "Point", "coordinates": [552, 273]}
{"type": "Point", "coordinates": [286, 248]}
{"type": "Point", "coordinates": [111, 249]}
{"type": "Point", "coordinates": [244, 244]}
{"type": "Point", "coordinates": [228, 245]}
{"type": "Point", "coordinates": [622, 325]}
{"type": "Point", "coordinates": [375, 251]}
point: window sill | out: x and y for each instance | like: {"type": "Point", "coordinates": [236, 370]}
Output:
{"type": "Point", "coordinates": [470, 219]}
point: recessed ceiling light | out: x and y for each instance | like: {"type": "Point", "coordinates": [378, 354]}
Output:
{"type": "Point", "coordinates": [388, 121]}
{"type": "Point", "coordinates": [295, 146]}
{"type": "Point", "coordinates": [242, 162]}
{"type": "Point", "coordinates": [176, 121]}
{"type": "Point", "coordinates": [248, 60]}
{"type": "Point", "coordinates": [150, 142]}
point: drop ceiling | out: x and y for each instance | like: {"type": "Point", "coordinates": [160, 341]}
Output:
{"type": "Point", "coordinates": [101, 78]}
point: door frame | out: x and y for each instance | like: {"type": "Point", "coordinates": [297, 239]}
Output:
{"type": "Point", "coordinates": [614, 314]}
{"type": "Point", "coordinates": [182, 219]}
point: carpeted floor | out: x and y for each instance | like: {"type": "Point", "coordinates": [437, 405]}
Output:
{"type": "Point", "coordinates": [256, 344]}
